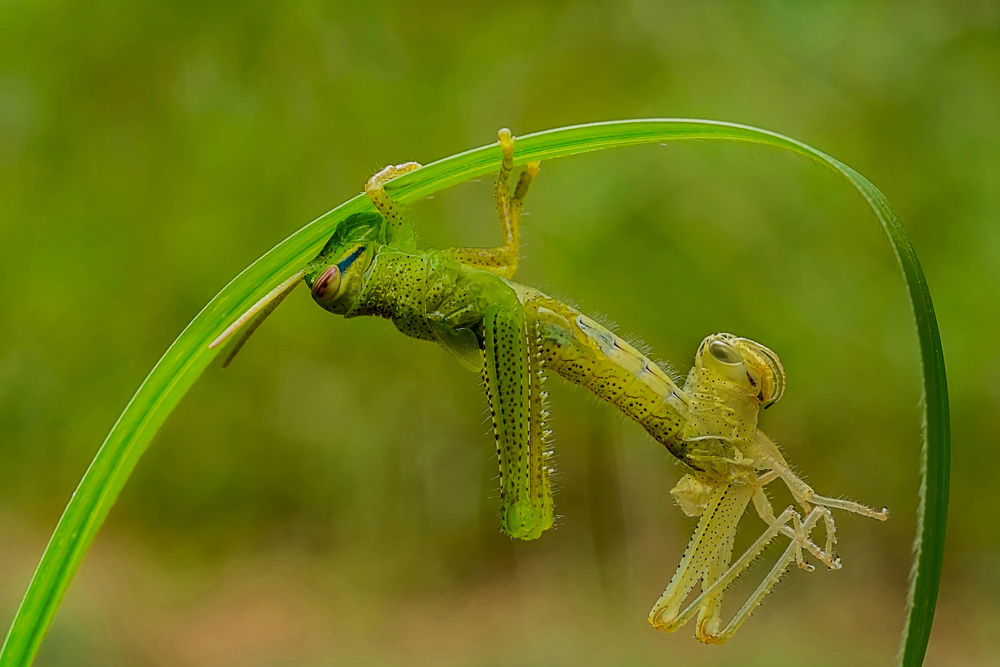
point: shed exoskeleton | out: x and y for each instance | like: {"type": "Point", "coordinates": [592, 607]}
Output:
{"type": "Point", "coordinates": [465, 300]}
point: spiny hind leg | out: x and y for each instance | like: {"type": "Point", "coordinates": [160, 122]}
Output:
{"type": "Point", "coordinates": [710, 615]}
{"type": "Point", "coordinates": [706, 605]}
{"type": "Point", "coordinates": [712, 536]}
{"type": "Point", "coordinates": [513, 377]}
{"type": "Point", "coordinates": [375, 189]}
{"type": "Point", "coordinates": [502, 260]}
{"type": "Point", "coordinates": [715, 591]}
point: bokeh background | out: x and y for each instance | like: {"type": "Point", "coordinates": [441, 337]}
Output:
{"type": "Point", "coordinates": [331, 499]}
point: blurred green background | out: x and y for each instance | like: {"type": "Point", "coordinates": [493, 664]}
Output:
{"type": "Point", "coordinates": [331, 499]}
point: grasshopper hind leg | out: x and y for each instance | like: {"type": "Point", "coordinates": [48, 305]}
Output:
{"type": "Point", "coordinates": [792, 553]}
{"type": "Point", "coordinates": [513, 377]}
{"type": "Point", "coordinates": [707, 560]}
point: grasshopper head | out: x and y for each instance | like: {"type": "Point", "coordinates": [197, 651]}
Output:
{"type": "Point", "coordinates": [746, 363]}
{"type": "Point", "coordinates": [336, 275]}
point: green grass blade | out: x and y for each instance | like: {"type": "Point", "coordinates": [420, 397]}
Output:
{"type": "Point", "coordinates": [189, 356]}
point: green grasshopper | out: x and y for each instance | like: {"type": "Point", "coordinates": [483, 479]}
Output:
{"type": "Point", "coordinates": [465, 300]}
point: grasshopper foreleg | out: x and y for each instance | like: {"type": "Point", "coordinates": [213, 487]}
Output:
{"type": "Point", "coordinates": [805, 496]}
{"type": "Point", "coordinates": [766, 512]}
{"type": "Point", "coordinates": [375, 189]}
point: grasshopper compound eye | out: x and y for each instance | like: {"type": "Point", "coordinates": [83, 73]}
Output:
{"type": "Point", "coordinates": [725, 360]}
{"type": "Point", "coordinates": [327, 286]}
{"type": "Point", "coordinates": [724, 353]}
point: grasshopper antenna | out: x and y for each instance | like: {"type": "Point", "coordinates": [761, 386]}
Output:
{"type": "Point", "coordinates": [257, 313]}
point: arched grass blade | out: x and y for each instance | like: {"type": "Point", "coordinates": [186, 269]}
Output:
{"type": "Point", "coordinates": [190, 355]}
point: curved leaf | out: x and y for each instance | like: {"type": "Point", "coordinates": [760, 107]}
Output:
{"type": "Point", "coordinates": [189, 356]}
